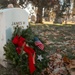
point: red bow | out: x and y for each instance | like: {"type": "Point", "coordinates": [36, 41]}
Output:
{"type": "Point", "coordinates": [20, 42]}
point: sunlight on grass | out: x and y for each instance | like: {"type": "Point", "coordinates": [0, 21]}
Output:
{"type": "Point", "coordinates": [48, 23]}
{"type": "Point", "coordinates": [51, 23]}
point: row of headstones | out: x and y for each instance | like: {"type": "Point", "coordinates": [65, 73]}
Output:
{"type": "Point", "coordinates": [8, 19]}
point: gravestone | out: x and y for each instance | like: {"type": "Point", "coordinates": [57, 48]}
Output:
{"type": "Point", "coordinates": [8, 19]}
{"type": "Point", "coordinates": [33, 18]}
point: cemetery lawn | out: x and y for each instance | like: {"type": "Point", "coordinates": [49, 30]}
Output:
{"type": "Point", "coordinates": [54, 37]}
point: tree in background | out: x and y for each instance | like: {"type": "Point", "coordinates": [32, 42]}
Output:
{"type": "Point", "coordinates": [40, 4]}
{"type": "Point", "coordinates": [3, 3]}
{"type": "Point", "coordinates": [57, 6]}
{"type": "Point", "coordinates": [37, 3]}
{"type": "Point", "coordinates": [73, 6]}
{"type": "Point", "coordinates": [60, 8]}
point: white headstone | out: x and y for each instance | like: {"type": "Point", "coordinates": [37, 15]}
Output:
{"type": "Point", "coordinates": [8, 18]}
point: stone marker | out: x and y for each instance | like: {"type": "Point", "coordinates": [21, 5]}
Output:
{"type": "Point", "coordinates": [8, 19]}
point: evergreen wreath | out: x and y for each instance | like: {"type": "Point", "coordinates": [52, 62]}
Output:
{"type": "Point", "coordinates": [20, 62]}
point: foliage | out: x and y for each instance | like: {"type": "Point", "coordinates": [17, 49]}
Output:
{"type": "Point", "coordinates": [3, 3]}
{"type": "Point", "coordinates": [20, 62]}
{"type": "Point", "coordinates": [36, 3]}
{"type": "Point", "coordinates": [57, 6]}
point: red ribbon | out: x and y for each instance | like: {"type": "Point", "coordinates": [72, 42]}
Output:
{"type": "Point", "coordinates": [20, 42]}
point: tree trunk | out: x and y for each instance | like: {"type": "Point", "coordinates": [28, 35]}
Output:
{"type": "Point", "coordinates": [39, 15]}
{"type": "Point", "coordinates": [58, 14]}
{"type": "Point", "coordinates": [73, 10]}
{"type": "Point", "coordinates": [58, 18]}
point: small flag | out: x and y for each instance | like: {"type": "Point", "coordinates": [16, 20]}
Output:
{"type": "Point", "coordinates": [38, 43]}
